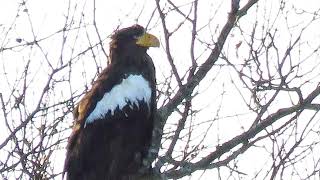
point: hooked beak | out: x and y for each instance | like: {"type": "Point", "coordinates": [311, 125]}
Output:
{"type": "Point", "coordinates": [148, 40]}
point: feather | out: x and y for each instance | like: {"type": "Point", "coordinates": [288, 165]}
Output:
{"type": "Point", "coordinates": [114, 120]}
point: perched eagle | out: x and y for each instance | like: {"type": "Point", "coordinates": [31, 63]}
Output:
{"type": "Point", "coordinates": [114, 120]}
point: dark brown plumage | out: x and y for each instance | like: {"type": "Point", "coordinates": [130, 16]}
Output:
{"type": "Point", "coordinates": [114, 120]}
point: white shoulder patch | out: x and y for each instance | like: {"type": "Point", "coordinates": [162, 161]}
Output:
{"type": "Point", "coordinates": [134, 88]}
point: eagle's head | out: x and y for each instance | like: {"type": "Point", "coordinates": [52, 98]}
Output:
{"type": "Point", "coordinates": [132, 40]}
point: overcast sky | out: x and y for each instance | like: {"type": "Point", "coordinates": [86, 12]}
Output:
{"type": "Point", "coordinates": [43, 18]}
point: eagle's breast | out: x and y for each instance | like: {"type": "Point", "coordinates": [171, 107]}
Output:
{"type": "Point", "coordinates": [131, 91]}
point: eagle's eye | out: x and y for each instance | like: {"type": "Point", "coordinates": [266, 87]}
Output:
{"type": "Point", "coordinates": [136, 37]}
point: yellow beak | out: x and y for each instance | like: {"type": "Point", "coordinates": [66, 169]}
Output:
{"type": "Point", "coordinates": [148, 40]}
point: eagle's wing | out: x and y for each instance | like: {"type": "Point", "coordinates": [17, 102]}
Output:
{"type": "Point", "coordinates": [129, 122]}
{"type": "Point", "coordinates": [83, 109]}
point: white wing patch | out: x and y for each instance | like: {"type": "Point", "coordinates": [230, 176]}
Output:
{"type": "Point", "coordinates": [134, 88]}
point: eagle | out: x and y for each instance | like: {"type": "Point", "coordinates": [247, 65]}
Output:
{"type": "Point", "coordinates": [113, 122]}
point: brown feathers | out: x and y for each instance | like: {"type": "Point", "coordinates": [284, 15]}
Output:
{"type": "Point", "coordinates": [114, 120]}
